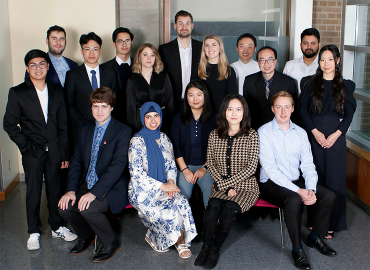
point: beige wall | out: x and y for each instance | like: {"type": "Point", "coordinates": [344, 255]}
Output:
{"type": "Point", "coordinates": [8, 150]}
{"type": "Point", "coordinates": [29, 21]}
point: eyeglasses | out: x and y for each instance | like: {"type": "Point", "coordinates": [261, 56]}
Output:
{"type": "Point", "coordinates": [263, 61]}
{"type": "Point", "coordinates": [121, 41]}
{"type": "Point", "coordinates": [88, 50]}
{"type": "Point", "coordinates": [41, 65]}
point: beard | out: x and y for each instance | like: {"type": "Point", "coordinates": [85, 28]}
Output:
{"type": "Point", "coordinates": [310, 55]}
{"type": "Point", "coordinates": [184, 35]}
{"type": "Point", "coordinates": [54, 52]}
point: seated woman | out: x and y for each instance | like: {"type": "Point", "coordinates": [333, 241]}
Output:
{"type": "Point", "coordinates": [148, 82]}
{"type": "Point", "coordinates": [152, 189]}
{"type": "Point", "coordinates": [232, 159]}
{"type": "Point", "coordinates": [189, 133]}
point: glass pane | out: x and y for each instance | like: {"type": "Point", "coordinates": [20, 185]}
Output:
{"type": "Point", "coordinates": [361, 71]}
{"type": "Point", "coordinates": [361, 120]}
{"type": "Point", "coordinates": [357, 25]}
{"type": "Point", "coordinates": [265, 19]}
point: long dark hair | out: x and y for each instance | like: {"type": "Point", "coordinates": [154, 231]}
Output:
{"type": "Point", "coordinates": [207, 107]}
{"type": "Point", "coordinates": [339, 94]}
{"type": "Point", "coordinates": [221, 121]}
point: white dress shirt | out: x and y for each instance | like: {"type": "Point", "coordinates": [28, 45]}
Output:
{"type": "Point", "coordinates": [97, 74]}
{"type": "Point", "coordinates": [185, 57]}
{"type": "Point", "coordinates": [242, 70]}
{"type": "Point", "coordinates": [119, 61]}
{"type": "Point", "coordinates": [297, 69]}
{"type": "Point", "coordinates": [44, 102]}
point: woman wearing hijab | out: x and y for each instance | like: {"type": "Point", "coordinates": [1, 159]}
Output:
{"type": "Point", "coordinates": [152, 189]}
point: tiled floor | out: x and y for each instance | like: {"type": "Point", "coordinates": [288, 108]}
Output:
{"type": "Point", "coordinates": [251, 244]}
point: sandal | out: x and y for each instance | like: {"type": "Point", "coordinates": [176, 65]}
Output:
{"type": "Point", "coordinates": [153, 246]}
{"type": "Point", "coordinates": [330, 235]}
{"type": "Point", "coordinates": [181, 248]}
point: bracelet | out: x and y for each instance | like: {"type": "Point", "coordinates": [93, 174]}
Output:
{"type": "Point", "coordinates": [185, 168]}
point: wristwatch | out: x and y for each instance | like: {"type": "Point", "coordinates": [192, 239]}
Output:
{"type": "Point", "coordinates": [205, 167]}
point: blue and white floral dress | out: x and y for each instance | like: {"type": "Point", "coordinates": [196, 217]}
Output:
{"type": "Point", "coordinates": [164, 217]}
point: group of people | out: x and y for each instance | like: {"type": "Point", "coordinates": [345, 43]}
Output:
{"type": "Point", "coordinates": [218, 122]}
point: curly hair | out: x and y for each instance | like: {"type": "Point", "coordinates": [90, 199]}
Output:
{"type": "Point", "coordinates": [158, 64]}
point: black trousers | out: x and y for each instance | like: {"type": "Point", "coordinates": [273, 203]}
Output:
{"type": "Point", "coordinates": [90, 221]}
{"type": "Point", "coordinates": [292, 204]}
{"type": "Point", "coordinates": [331, 169]}
{"type": "Point", "coordinates": [35, 169]}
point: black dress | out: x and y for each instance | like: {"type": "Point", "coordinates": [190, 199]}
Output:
{"type": "Point", "coordinates": [218, 90]}
{"type": "Point", "coordinates": [330, 162]}
{"type": "Point", "coordinates": [138, 92]}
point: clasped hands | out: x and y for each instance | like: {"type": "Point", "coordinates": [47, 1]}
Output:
{"type": "Point", "coordinates": [326, 142]}
{"type": "Point", "coordinates": [308, 196]}
{"type": "Point", "coordinates": [83, 203]}
{"type": "Point", "coordinates": [193, 177]}
{"type": "Point", "coordinates": [170, 188]}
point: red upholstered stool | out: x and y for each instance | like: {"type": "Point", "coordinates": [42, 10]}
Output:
{"type": "Point", "coordinates": [262, 203]}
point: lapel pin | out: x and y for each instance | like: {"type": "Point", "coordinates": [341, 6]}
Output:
{"type": "Point", "coordinates": [105, 142]}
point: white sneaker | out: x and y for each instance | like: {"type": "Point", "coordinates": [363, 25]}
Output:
{"type": "Point", "coordinates": [64, 233]}
{"type": "Point", "coordinates": [33, 242]}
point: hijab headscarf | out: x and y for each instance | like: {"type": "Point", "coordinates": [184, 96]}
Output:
{"type": "Point", "coordinates": [155, 158]}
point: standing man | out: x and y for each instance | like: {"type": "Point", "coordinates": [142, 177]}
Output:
{"type": "Point", "coordinates": [36, 120]}
{"type": "Point", "coordinates": [121, 65]}
{"type": "Point", "coordinates": [307, 64]}
{"type": "Point", "coordinates": [81, 81]}
{"type": "Point", "coordinates": [246, 47]}
{"type": "Point", "coordinates": [181, 56]}
{"type": "Point", "coordinates": [56, 39]}
{"type": "Point", "coordinates": [96, 182]}
{"type": "Point", "coordinates": [288, 178]}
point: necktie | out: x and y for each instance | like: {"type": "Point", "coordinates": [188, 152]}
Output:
{"type": "Point", "coordinates": [267, 89]}
{"type": "Point", "coordinates": [92, 178]}
{"type": "Point", "coordinates": [94, 82]}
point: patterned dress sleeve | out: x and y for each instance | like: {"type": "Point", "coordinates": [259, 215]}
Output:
{"type": "Point", "coordinates": [169, 158]}
{"type": "Point", "coordinates": [211, 157]}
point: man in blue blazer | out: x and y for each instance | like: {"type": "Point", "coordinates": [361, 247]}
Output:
{"type": "Point", "coordinates": [96, 179]}
{"type": "Point", "coordinates": [56, 39]}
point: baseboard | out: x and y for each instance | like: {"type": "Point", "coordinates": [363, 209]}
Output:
{"type": "Point", "coordinates": [5, 194]}
{"type": "Point", "coordinates": [360, 203]}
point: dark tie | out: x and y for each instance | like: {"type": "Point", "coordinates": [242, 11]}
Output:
{"type": "Point", "coordinates": [92, 178]}
{"type": "Point", "coordinates": [94, 82]}
{"type": "Point", "coordinates": [267, 89]}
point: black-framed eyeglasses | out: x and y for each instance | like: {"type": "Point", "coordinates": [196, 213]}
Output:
{"type": "Point", "coordinates": [121, 41]}
{"type": "Point", "coordinates": [41, 65]}
{"type": "Point", "coordinates": [263, 61]}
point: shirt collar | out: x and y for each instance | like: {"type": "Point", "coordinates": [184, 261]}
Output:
{"type": "Point", "coordinates": [53, 58]}
{"type": "Point", "coordinates": [275, 125]}
{"type": "Point", "coordinates": [268, 81]}
{"type": "Point", "coordinates": [89, 68]}
{"type": "Point", "coordinates": [181, 47]}
{"type": "Point", "coordinates": [103, 126]}
{"type": "Point", "coordinates": [119, 61]}
{"type": "Point", "coordinates": [315, 62]}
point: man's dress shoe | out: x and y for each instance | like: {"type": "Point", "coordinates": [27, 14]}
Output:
{"type": "Point", "coordinates": [82, 245]}
{"type": "Point", "coordinates": [321, 246]}
{"type": "Point", "coordinates": [106, 253]}
{"type": "Point", "coordinates": [300, 259]}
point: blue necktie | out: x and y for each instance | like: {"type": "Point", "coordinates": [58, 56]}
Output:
{"type": "Point", "coordinates": [94, 82]}
{"type": "Point", "coordinates": [92, 178]}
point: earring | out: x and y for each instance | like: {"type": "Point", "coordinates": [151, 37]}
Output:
{"type": "Point", "coordinates": [337, 65]}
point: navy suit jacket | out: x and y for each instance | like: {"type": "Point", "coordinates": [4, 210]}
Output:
{"type": "Point", "coordinates": [254, 92]}
{"type": "Point", "coordinates": [170, 56]}
{"type": "Point", "coordinates": [52, 75]}
{"type": "Point", "coordinates": [181, 137]}
{"type": "Point", "coordinates": [110, 164]}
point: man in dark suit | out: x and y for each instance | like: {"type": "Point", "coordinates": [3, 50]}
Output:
{"type": "Point", "coordinates": [81, 81]}
{"type": "Point", "coordinates": [181, 56]}
{"type": "Point", "coordinates": [56, 39]}
{"type": "Point", "coordinates": [36, 120]}
{"type": "Point", "coordinates": [121, 65]}
{"type": "Point", "coordinates": [260, 87]}
{"type": "Point", "coordinates": [96, 182]}
{"type": "Point", "coordinates": [258, 90]}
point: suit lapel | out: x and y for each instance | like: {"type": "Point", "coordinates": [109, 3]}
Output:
{"type": "Point", "coordinates": [108, 133]}
{"type": "Point", "coordinates": [35, 99]}
{"type": "Point", "coordinates": [51, 99]}
{"type": "Point", "coordinates": [260, 85]}
{"type": "Point", "coordinates": [89, 140]}
{"type": "Point", "coordinates": [275, 86]}
{"type": "Point", "coordinates": [102, 75]}
{"type": "Point", "coordinates": [176, 56]}
{"type": "Point", "coordinates": [85, 77]}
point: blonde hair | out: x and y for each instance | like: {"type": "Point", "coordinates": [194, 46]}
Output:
{"type": "Point", "coordinates": [158, 64]}
{"type": "Point", "coordinates": [223, 63]}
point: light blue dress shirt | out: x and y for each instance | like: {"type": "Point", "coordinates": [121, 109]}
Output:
{"type": "Point", "coordinates": [283, 153]}
{"type": "Point", "coordinates": [61, 67]}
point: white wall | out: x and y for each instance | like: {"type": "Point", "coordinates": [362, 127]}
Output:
{"type": "Point", "coordinates": [9, 151]}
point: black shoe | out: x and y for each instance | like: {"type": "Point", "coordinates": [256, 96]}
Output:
{"type": "Point", "coordinates": [300, 259]}
{"type": "Point", "coordinates": [321, 246]}
{"type": "Point", "coordinates": [200, 260]}
{"type": "Point", "coordinates": [82, 245]}
{"type": "Point", "coordinates": [212, 258]}
{"type": "Point", "coordinates": [105, 254]}
{"type": "Point", "coordinates": [274, 214]}
{"type": "Point", "coordinates": [259, 215]}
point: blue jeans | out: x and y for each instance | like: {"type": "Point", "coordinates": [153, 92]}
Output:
{"type": "Point", "coordinates": [204, 183]}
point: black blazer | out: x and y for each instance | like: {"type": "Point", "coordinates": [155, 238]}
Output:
{"type": "Point", "coordinates": [170, 56]}
{"type": "Point", "coordinates": [119, 111]}
{"type": "Point", "coordinates": [254, 92]}
{"type": "Point", "coordinates": [78, 89]}
{"type": "Point", "coordinates": [33, 134]}
{"type": "Point", "coordinates": [52, 75]}
{"type": "Point", "coordinates": [181, 137]}
{"type": "Point", "coordinates": [110, 165]}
